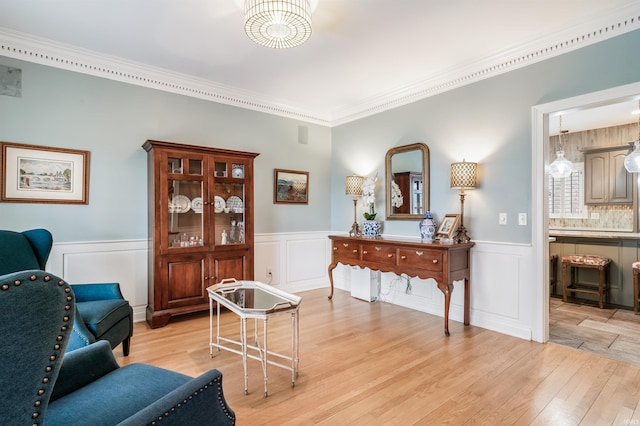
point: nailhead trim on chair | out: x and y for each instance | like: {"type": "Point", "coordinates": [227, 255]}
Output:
{"type": "Point", "coordinates": [37, 403]}
{"type": "Point", "coordinates": [218, 383]}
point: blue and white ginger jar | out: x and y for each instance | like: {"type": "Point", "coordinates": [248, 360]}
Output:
{"type": "Point", "coordinates": [427, 228]}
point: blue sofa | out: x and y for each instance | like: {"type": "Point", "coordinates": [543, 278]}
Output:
{"type": "Point", "coordinates": [103, 314]}
{"type": "Point", "coordinates": [43, 384]}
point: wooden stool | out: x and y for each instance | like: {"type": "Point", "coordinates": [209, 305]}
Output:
{"type": "Point", "coordinates": [636, 286]}
{"type": "Point", "coordinates": [570, 264]}
{"type": "Point", "coordinates": [553, 269]}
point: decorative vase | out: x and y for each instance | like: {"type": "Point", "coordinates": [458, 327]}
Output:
{"type": "Point", "coordinates": [371, 228]}
{"type": "Point", "coordinates": [427, 228]}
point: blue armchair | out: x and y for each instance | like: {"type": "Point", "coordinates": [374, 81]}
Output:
{"type": "Point", "coordinates": [43, 384]}
{"type": "Point", "coordinates": [103, 314]}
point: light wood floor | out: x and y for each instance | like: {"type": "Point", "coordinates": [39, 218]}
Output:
{"type": "Point", "coordinates": [610, 332]}
{"type": "Point", "coordinates": [379, 364]}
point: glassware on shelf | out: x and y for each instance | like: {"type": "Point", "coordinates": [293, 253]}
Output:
{"type": "Point", "coordinates": [240, 226]}
{"type": "Point", "coordinates": [232, 231]}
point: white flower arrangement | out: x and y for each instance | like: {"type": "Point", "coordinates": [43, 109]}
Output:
{"type": "Point", "coordinates": [369, 196]}
{"type": "Point", "coordinates": [396, 195]}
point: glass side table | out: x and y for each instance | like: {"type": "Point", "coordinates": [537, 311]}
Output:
{"type": "Point", "coordinates": [253, 299]}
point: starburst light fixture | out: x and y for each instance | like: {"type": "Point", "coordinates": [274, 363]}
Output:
{"type": "Point", "coordinates": [279, 24]}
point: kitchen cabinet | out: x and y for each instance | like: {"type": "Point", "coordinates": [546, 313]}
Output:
{"type": "Point", "coordinates": [200, 224]}
{"type": "Point", "coordinates": [606, 179]}
{"type": "Point", "coordinates": [622, 252]}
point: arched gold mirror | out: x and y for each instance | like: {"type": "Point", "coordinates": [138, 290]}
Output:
{"type": "Point", "coordinates": [407, 181]}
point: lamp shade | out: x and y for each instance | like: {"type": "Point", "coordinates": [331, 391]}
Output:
{"type": "Point", "coordinates": [464, 175]}
{"type": "Point", "coordinates": [354, 185]}
{"type": "Point", "coordinates": [278, 23]}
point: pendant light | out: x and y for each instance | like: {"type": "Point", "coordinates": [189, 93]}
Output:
{"type": "Point", "coordinates": [632, 161]}
{"type": "Point", "coordinates": [561, 167]}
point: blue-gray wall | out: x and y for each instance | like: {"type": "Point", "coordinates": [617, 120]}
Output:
{"type": "Point", "coordinates": [488, 122]}
{"type": "Point", "coordinates": [112, 120]}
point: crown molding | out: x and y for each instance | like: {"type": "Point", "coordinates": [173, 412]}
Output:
{"type": "Point", "coordinates": [45, 52]}
{"type": "Point", "coordinates": [621, 21]}
{"type": "Point", "coordinates": [38, 50]}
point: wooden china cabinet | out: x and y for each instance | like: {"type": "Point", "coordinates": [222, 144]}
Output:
{"type": "Point", "coordinates": [200, 224]}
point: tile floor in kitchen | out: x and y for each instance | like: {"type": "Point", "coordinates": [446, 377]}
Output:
{"type": "Point", "coordinates": [611, 332]}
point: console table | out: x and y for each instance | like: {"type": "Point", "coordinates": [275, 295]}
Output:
{"type": "Point", "coordinates": [445, 263]}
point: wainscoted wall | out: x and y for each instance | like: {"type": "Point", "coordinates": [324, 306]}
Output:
{"type": "Point", "coordinates": [122, 261]}
{"type": "Point", "coordinates": [501, 282]}
{"type": "Point", "coordinates": [298, 260]}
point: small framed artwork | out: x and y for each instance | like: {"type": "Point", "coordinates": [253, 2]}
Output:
{"type": "Point", "coordinates": [448, 225]}
{"type": "Point", "coordinates": [290, 186]}
{"type": "Point", "coordinates": [42, 174]}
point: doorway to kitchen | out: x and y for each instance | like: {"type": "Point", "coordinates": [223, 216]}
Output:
{"type": "Point", "coordinates": [601, 331]}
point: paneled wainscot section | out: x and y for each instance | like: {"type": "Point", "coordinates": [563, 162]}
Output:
{"type": "Point", "coordinates": [502, 277]}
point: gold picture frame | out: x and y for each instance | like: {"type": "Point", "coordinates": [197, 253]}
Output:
{"type": "Point", "coordinates": [43, 174]}
{"type": "Point", "coordinates": [448, 226]}
{"type": "Point", "coordinates": [290, 187]}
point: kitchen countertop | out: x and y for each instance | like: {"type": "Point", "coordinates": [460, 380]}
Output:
{"type": "Point", "coordinates": [594, 234]}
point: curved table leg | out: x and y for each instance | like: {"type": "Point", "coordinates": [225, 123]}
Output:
{"type": "Point", "coordinates": [446, 289]}
{"type": "Point", "coordinates": [330, 271]}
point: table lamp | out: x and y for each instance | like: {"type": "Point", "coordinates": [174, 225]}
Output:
{"type": "Point", "coordinates": [463, 176]}
{"type": "Point", "coordinates": [354, 188]}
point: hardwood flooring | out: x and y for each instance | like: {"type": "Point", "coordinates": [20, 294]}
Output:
{"type": "Point", "coordinates": [611, 332]}
{"type": "Point", "coordinates": [380, 364]}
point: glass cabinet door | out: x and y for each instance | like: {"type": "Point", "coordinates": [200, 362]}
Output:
{"type": "Point", "coordinates": [185, 224]}
{"type": "Point", "coordinates": [228, 204]}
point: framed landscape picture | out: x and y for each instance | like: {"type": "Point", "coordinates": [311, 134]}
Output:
{"type": "Point", "coordinates": [41, 174]}
{"type": "Point", "coordinates": [290, 186]}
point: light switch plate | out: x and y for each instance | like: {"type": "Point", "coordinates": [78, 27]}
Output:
{"type": "Point", "coordinates": [502, 218]}
{"type": "Point", "coordinates": [522, 219]}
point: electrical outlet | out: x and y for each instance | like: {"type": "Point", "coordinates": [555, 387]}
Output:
{"type": "Point", "coordinates": [522, 219]}
{"type": "Point", "coordinates": [269, 272]}
{"type": "Point", "coordinates": [502, 218]}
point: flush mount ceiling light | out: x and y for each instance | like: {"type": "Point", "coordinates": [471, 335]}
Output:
{"type": "Point", "coordinates": [632, 161]}
{"type": "Point", "coordinates": [279, 24]}
{"type": "Point", "coordinates": [561, 167]}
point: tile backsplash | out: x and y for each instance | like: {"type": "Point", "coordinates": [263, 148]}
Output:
{"type": "Point", "coordinates": [599, 218]}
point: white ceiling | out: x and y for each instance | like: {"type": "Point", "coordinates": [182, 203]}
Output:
{"type": "Point", "coordinates": [363, 56]}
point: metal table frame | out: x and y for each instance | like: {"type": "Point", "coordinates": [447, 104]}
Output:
{"type": "Point", "coordinates": [286, 303]}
